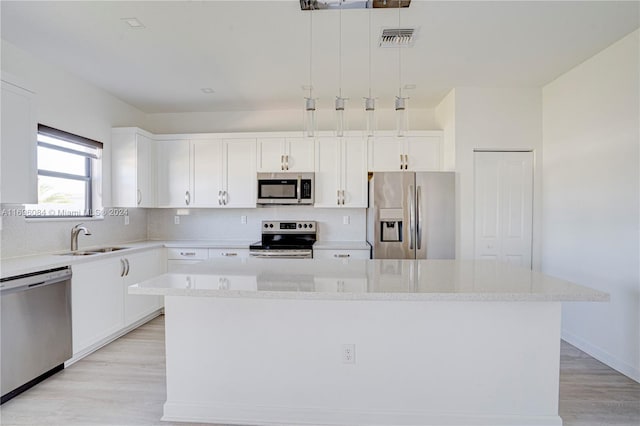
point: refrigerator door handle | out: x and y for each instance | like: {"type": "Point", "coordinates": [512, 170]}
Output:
{"type": "Point", "coordinates": [412, 216]}
{"type": "Point", "coordinates": [418, 218]}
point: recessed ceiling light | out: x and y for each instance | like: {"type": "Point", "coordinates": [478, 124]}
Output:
{"type": "Point", "coordinates": [133, 23]}
{"type": "Point", "coordinates": [207, 90]}
{"type": "Point", "coordinates": [409, 86]}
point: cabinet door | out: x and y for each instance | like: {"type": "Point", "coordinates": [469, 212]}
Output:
{"type": "Point", "coordinates": [271, 153]}
{"type": "Point", "coordinates": [178, 265]}
{"type": "Point", "coordinates": [140, 267]}
{"type": "Point", "coordinates": [124, 169]}
{"type": "Point", "coordinates": [240, 173]}
{"type": "Point", "coordinates": [354, 172]}
{"type": "Point", "coordinates": [18, 146]}
{"type": "Point", "coordinates": [146, 189]}
{"type": "Point", "coordinates": [423, 153]}
{"type": "Point", "coordinates": [327, 175]}
{"type": "Point", "coordinates": [207, 173]}
{"type": "Point", "coordinates": [228, 253]}
{"type": "Point", "coordinates": [341, 254]}
{"type": "Point", "coordinates": [299, 155]}
{"type": "Point", "coordinates": [96, 301]}
{"type": "Point", "coordinates": [173, 173]}
{"type": "Point", "coordinates": [385, 155]}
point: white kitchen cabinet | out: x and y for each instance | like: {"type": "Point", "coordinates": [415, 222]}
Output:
{"type": "Point", "coordinates": [285, 155]}
{"type": "Point", "coordinates": [223, 253]}
{"type": "Point", "coordinates": [409, 153]}
{"type": "Point", "coordinates": [341, 254]}
{"type": "Point", "coordinates": [173, 173]}
{"type": "Point", "coordinates": [18, 144]}
{"type": "Point", "coordinates": [141, 267]}
{"type": "Point", "coordinates": [341, 172]}
{"type": "Point", "coordinates": [132, 168]}
{"type": "Point", "coordinates": [101, 305]}
{"type": "Point", "coordinates": [97, 305]}
{"type": "Point", "coordinates": [179, 256]}
{"type": "Point", "coordinates": [207, 173]}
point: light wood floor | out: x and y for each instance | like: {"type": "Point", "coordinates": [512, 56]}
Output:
{"type": "Point", "coordinates": [124, 384]}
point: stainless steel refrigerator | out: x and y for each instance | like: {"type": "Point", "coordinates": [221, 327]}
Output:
{"type": "Point", "coordinates": [412, 215]}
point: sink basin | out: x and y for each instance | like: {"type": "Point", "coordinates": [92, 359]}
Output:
{"type": "Point", "coordinates": [107, 249]}
{"type": "Point", "coordinates": [79, 253]}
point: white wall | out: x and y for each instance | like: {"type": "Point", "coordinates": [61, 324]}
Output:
{"type": "Point", "coordinates": [501, 119]}
{"type": "Point", "coordinates": [225, 224]}
{"type": "Point", "coordinates": [280, 120]}
{"type": "Point", "coordinates": [591, 214]}
{"type": "Point", "coordinates": [445, 115]}
{"type": "Point", "coordinates": [73, 105]}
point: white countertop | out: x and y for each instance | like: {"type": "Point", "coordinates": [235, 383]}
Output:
{"type": "Point", "coordinates": [27, 264]}
{"type": "Point", "coordinates": [389, 280]}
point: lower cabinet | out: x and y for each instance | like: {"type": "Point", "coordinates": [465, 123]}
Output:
{"type": "Point", "coordinates": [179, 256]}
{"type": "Point", "coordinates": [341, 254]}
{"type": "Point", "coordinates": [101, 305]}
{"type": "Point", "coordinates": [228, 253]}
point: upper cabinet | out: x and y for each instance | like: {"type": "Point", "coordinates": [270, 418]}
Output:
{"type": "Point", "coordinates": [132, 168]}
{"type": "Point", "coordinates": [409, 153]}
{"type": "Point", "coordinates": [341, 172]}
{"type": "Point", "coordinates": [19, 172]}
{"type": "Point", "coordinates": [206, 173]}
{"type": "Point", "coordinates": [285, 155]}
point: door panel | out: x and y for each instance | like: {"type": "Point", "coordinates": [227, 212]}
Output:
{"type": "Point", "coordinates": [270, 155]}
{"type": "Point", "coordinates": [436, 215]}
{"type": "Point", "coordinates": [504, 206]}
{"type": "Point", "coordinates": [385, 154]}
{"type": "Point", "coordinates": [173, 172]}
{"type": "Point", "coordinates": [240, 167]}
{"type": "Point", "coordinates": [354, 169]}
{"type": "Point", "coordinates": [207, 172]}
{"type": "Point", "coordinates": [300, 154]}
{"type": "Point", "coordinates": [423, 153]}
{"type": "Point", "coordinates": [327, 175]}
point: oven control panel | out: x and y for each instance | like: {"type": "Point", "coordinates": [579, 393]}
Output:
{"type": "Point", "coordinates": [303, 226]}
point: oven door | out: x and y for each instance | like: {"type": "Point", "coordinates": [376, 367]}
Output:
{"type": "Point", "coordinates": [282, 254]}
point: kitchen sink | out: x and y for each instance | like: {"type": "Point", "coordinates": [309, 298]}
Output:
{"type": "Point", "coordinates": [95, 251]}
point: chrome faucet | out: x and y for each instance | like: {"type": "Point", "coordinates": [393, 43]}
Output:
{"type": "Point", "coordinates": [74, 235]}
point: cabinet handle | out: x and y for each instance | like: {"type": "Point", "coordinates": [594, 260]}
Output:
{"type": "Point", "coordinates": [122, 267]}
{"type": "Point", "coordinates": [282, 162]}
{"type": "Point", "coordinates": [219, 200]}
{"type": "Point", "coordinates": [343, 197]}
{"type": "Point", "coordinates": [187, 253]}
{"type": "Point", "coordinates": [341, 256]}
{"type": "Point", "coordinates": [406, 161]}
{"type": "Point", "coordinates": [401, 162]}
{"type": "Point", "coordinates": [338, 197]}
{"type": "Point", "coordinates": [139, 197]}
{"type": "Point", "coordinates": [225, 198]}
{"type": "Point", "coordinates": [229, 254]}
{"type": "Point", "coordinates": [187, 198]}
{"type": "Point", "coordinates": [128, 266]}
{"type": "Point", "coordinates": [286, 162]}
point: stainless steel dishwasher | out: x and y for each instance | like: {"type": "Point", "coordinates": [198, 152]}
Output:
{"type": "Point", "coordinates": [36, 328]}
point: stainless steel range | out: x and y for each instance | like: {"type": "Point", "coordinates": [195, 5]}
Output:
{"type": "Point", "coordinates": [286, 240]}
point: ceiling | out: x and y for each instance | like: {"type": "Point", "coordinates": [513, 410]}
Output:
{"type": "Point", "coordinates": [255, 54]}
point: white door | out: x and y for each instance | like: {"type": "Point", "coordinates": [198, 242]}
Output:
{"type": "Point", "coordinates": [271, 153]}
{"type": "Point", "coordinates": [207, 173]}
{"type": "Point", "coordinates": [504, 206]}
{"type": "Point", "coordinates": [173, 173]}
{"type": "Point", "coordinates": [141, 266]}
{"type": "Point", "coordinates": [240, 181]}
{"type": "Point", "coordinates": [299, 154]}
{"type": "Point", "coordinates": [354, 172]}
{"type": "Point", "coordinates": [386, 154]}
{"type": "Point", "coordinates": [327, 175]}
{"type": "Point", "coordinates": [146, 190]}
{"type": "Point", "coordinates": [423, 153]}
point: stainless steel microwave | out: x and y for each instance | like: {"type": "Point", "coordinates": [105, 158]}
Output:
{"type": "Point", "coordinates": [285, 188]}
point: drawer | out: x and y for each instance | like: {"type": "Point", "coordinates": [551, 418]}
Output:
{"type": "Point", "coordinates": [228, 253]}
{"type": "Point", "coordinates": [341, 254]}
{"type": "Point", "coordinates": [187, 253]}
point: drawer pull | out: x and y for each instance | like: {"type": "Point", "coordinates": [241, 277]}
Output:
{"type": "Point", "coordinates": [187, 253]}
{"type": "Point", "coordinates": [229, 254]}
{"type": "Point", "coordinates": [341, 256]}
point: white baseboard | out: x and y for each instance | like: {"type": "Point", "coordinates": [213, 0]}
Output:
{"type": "Point", "coordinates": [91, 349]}
{"type": "Point", "coordinates": [239, 414]}
{"type": "Point", "coordinates": [601, 355]}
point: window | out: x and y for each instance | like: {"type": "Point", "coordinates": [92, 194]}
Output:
{"type": "Point", "coordinates": [68, 171]}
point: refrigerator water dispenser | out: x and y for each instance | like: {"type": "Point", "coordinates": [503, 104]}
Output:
{"type": "Point", "coordinates": [390, 225]}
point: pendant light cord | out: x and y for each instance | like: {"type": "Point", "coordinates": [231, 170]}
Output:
{"type": "Point", "coordinates": [370, 9]}
{"type": "Point", "coordinates": [310, 54]}
{"type": "Point", "coordinates": [399, 55]}
{"type": "Point", "coordinates": [340, 53]}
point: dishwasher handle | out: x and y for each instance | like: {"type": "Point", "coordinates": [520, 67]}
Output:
{"type": "Point", "coordinates": [38, 279]}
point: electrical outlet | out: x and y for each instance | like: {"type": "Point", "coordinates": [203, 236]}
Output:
{"type": "Point", "coordinates": [126, 220]}
{"type": "Point", "coordinates": [345, 220]}
{"type": "Point", "coordinates": [349, 354]}
{"type": "Point", "coordinates": [243, 219]}
{"type": "Point", "coordinates": [176, 220]}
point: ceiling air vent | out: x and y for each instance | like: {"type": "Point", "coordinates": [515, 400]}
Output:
{"type": "Point", "coordinates": [397, 37]}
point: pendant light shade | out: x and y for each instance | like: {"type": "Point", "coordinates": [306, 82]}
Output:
{"type": "Point", "coordinates": [402, 116]}
{"type": "Point", "coordinates": [370, 116]}
{"type": "Point", "coordinates": [341, 119]}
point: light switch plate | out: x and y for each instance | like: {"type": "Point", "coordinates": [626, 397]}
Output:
{"type": "Point", "coordinates": [126, 220]}
{"type": "Point", "coordinates": [345, 220]}
{"type": "Point", "coordinates": [176, 220]}
{"type": "Point", "coordinates": [243, 219]}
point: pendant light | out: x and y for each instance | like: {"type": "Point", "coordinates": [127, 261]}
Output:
{"type": "Point", "coordinates": [402, 115]}
{"type": "Point", "coordinates": [310, 123]}
{"type": "Point", "coordinates": [340, 101]}
{"type": "Point", "coordinates": [370, 102]}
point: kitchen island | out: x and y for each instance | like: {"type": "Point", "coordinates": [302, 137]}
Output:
{"type": "Point", "coordinates": [370, 342]}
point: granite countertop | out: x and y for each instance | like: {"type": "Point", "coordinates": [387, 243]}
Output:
{"type": "Point", "coordinates": [27, 264]}
{"type": "Point", "coordinates": [382, 280]}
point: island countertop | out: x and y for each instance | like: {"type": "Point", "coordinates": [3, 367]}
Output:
{"type": "Point", "coordinates": [382, 280]}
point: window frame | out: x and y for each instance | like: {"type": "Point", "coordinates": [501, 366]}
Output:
{"type": "Point", "coordinates": [89, 177]}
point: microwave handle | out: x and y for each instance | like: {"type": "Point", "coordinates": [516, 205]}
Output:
{"type": "Point", "coordinates": [299, 189]}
